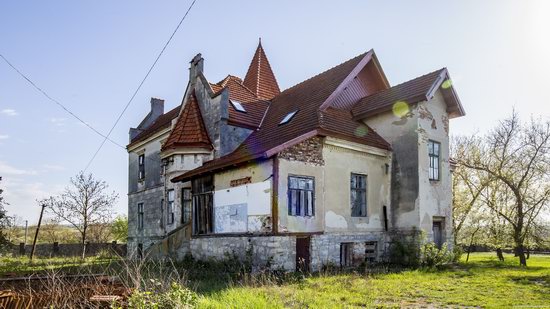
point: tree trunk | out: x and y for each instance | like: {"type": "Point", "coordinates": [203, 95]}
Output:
{"type": "Point", "coordinates": [83, 245]}
{"type": "Point", "coordinates": [499, 255]}
{"type": "Point", "coordinates": [521, 254]}
{"type": "Point", "coordinates": [520, 249]}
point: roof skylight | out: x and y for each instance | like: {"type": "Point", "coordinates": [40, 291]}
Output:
{"type": "Point", "coordinates": [238, 106]}
{"type": "Point", "coordinates": [288, 117]}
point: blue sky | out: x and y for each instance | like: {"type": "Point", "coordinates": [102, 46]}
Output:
{"type": "Point", "coordinates": [91, 55]}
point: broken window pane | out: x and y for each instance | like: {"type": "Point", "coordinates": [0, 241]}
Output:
{"type": "Point", "coordinates": [358, 195]}
{"type": "Point", "coordinates": [301, 196]}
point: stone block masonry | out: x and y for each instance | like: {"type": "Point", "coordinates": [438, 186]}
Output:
{"type": "Point", "coordinates": [277, 252]}
{"type": "Point", "coordinates": [309, 151]}
{"type": "Point", "coordinates": [325, 248]}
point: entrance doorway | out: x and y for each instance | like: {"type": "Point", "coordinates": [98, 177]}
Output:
{"type": "Point", "coordinates": [302, 253]}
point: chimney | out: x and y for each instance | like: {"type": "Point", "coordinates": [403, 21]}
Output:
{"type": "Point", "coordinates": [157, 108]}
{"type": "Point", "coordinates": [196, 67]}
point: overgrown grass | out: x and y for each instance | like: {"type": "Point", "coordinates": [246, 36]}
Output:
{"type": "Point", "coordinates": [483, 282]}
{"type": "Point", "coordinates": [21, 266]}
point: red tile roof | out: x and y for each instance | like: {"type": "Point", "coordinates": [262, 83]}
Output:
{"type": "Point", "coordinates": [260, 78]}
{"type": "Point", "coordinates": [162, 122]}
{"type": "Point", "coordinates": [413, 91]}
{"type": "Point", "coordinates": [306, 98]}
{"type": "Point", "coordinates": [189, 130]}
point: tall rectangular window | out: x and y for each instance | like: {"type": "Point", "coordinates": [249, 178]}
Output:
{"type": "Point", "coordinates": [140, 216]}
{"type": "Point", "coordinates": [433, 152]}
{"type": "Point", "coordinates": [186, 202]}
{"type": "Point", "coordinates": [358, 195]}
{"type": "Point", "coordinates": [170, 206]}
{"type": "Point", "coordinates": [141, 165]}
{"type": "Point", "coordinates": [301, 196]}
{"type": "Point", "coordinates": [203, 205]}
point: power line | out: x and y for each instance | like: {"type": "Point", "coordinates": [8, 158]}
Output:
{"type": "Point", "coordinates": [140, 84]}
{"type": "Point", "coordinates": [58, 103]}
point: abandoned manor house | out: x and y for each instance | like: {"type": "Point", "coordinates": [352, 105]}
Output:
{"type": "Point", "coordinates": [330, 171]}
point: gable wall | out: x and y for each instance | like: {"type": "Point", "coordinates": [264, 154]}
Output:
{"type": "Point", "coordinates": [401, 133]}
{"type": "Point", "coordinates": [435, 197]}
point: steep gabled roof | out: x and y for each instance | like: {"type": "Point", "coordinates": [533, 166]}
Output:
{"type": "Point", "coordinates": [416, 90]}
{"type": "Point", "coordinates": [305, 98]}
{"type": "Point", "coordinates": [162, 122]}
{"type": "Point", "coordinates": [189, 130]}
{"type": "Point", "coordinates": [260, 78]}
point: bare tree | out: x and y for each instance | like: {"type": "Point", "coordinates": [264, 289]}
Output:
{"type": "Point", "coordinates": [4, 220]}
{"type": "Point", "coordinates": [517, 156]}
{"type": "Point", "coordinates": [84, 203]}
{"type": "Point", "coordinates": [467, 188]}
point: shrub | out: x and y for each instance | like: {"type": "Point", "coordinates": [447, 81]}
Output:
{"type": "Point", "coordinates": [177, 296]}
{"type": "Point", "coordinates": [432, 256]}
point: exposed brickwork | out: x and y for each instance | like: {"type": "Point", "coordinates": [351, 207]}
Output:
{"type": "Point", "coordinates": [309, 151]}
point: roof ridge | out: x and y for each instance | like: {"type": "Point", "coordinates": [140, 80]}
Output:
{"type": "Point", "coordinates": [418, 77]}
{"type": "Point", "coordinates": [312, 77]}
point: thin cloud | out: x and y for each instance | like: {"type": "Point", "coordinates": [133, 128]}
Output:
{"type": "Point", "coordinates": [4, 136]}
{"type": "Point", "coordinates": [9, 112]}
{"type": "Point", "coordinates": [6, 169]}
{"type": "Point", "coordinates": [58, 122]}
{"type": "Point", "coordinates": [53, 167]}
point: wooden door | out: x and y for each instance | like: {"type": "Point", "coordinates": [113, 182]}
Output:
{"type": "Point", "coordinates": [302, 254]}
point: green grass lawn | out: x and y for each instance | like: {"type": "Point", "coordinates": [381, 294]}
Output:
{"type": "Point", "coordinates": [482, 282]}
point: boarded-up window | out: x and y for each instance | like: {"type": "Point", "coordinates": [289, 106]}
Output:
{"type": "Point", "coordinates": [141, 167]}
{"type": "Point", "coordinates": [346, 254]}
{"type": "Point", "coordinates": [203, 208]}
{"type": "Point", "coordinates": [358, 195]}
{"type": "Point", "coordinates": [301, 196]}
{"type": "Point", "coordinates": [186, 201]}
{"type": "Point", "coordinates": [433, 152]}
{"type": "Point", "coordinates": [140, 216]}
{"type": "Point", "coordinates": [371, 251]}
{"type": "Point", "coordinates": [170, 207]}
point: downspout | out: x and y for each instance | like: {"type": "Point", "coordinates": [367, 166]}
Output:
{"type": "Point", "coordinates": [275, 197]}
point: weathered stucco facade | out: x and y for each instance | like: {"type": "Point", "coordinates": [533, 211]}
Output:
{"type": "Point", "coordinates": [303, 178]}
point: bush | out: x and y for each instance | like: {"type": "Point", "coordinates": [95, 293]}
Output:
{"type": "Point", "coordinates": [457, 253]}
{"type": "Point", "coordinates": [177, 296]}
{"type": "Point", "coordinates": [432, 256]}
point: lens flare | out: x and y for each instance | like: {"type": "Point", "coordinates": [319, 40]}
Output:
{"type": "Point", "coordinates": [400, 108]}
{"type": "Point", "coordinates": [447, 84]}
{"type": "Point", "coordinates": [361, 131]}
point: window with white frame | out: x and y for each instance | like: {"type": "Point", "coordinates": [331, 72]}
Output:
{"type": "Point", "coordinates": [358, 195]}
{"type": "Point", "coordinates": [301, 196]}
{"type": "Point", "coordinates": [170, 206]}
{"type": "Point", "coordinates": [434, 149]}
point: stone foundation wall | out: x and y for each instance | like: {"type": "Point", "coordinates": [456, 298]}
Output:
{"type": "Point", "coordinates": [278, 251]}
{"type": "Point", "coordinates": [325, 248]}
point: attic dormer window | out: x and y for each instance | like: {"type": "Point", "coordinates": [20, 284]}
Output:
{"type": "Point", "coordinates": [238, 106]}
{"type": "Point", "coordinates": [288, 117]}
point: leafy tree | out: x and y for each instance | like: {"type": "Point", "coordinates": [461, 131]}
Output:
{"type": "Point", "coordinates": [119, 228]}
{"type": "Point", "coordinates": [84, 203]}
{"type": "Point", "coordinates": [517, 156]}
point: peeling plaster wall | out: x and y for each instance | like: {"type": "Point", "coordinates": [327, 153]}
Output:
{"type": "Point", "coordinates": [341, 159]}
{"type": "Point", "coordinates": [402, 133]}
{"type": "Point", "coordinates": [149, 192]}
{"type": "Point", "coordinates": [245, 208]}
{"type": "Point", "coordinates": [297, 224]}
{"type": "Point", "coordinates": [435, 197]}
{"type": "Point", "coordinates": [416, 199]}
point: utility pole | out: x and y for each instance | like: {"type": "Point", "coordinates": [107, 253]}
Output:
{"type": "Point", "coordinates": [26, 230]}
{"type": "Point", "coordinates": [37, 229]}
